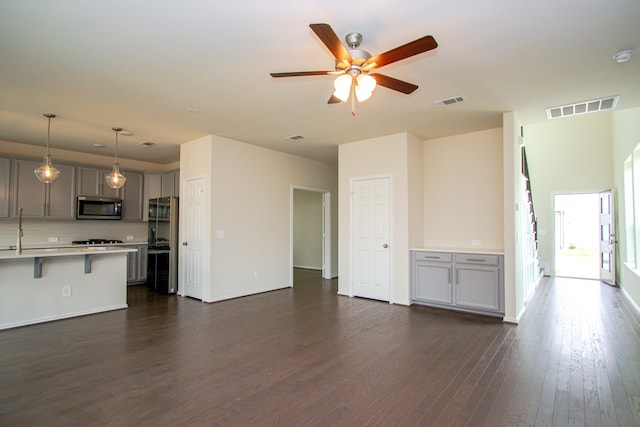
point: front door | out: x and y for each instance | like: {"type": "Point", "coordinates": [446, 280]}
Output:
{"type": "Point", "coordinates": [192, 234]}
{"type": "Point", "coordinates": [607, 255]}
{"type": "Point", "coordinates": [370, 238]}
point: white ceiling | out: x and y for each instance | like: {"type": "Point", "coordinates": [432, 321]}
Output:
{"type": "Point", "coordinates": [142, 64]}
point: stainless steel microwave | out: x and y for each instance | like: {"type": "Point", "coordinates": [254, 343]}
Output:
{"type": "Point", "coordinates": [94, 207]}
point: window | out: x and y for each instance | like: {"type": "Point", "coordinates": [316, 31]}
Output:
{"type": "Point", "coordinates": [632, 207]}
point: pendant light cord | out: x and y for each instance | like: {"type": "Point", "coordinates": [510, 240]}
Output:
{"type": "Point", "coordinates": [116, 130]}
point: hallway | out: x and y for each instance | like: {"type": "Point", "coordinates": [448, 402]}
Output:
{"type": "Point", "coordinates": [306, 356]}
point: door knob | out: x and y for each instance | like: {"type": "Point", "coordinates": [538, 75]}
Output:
{"type": "Point", "coordinates": [385, 246]}
{"type": "Point", "coordinates": [184, 243]}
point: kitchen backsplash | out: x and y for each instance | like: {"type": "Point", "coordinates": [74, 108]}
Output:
{"type": "Point", "coordinates": [38, 232]}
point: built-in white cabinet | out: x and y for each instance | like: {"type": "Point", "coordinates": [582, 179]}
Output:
{"type": "Point", "coordinates": [471, 282]}
{"type": "Point", "coordinates": [39, 200]}
{"type": "Point", "coordinates": [5, 176]}
{"type": "Point", "coordinates": [137, 265]}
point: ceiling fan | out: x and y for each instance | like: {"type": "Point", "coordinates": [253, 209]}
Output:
{"type": "Point", "coordinates": [353, 65]}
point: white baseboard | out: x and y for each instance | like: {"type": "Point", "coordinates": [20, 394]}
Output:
{"type": "Point", "coordinates": [632, 303]}
{"type": "Point", "coordinates": [62, 316]}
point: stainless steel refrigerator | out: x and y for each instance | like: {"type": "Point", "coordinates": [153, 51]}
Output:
{"type": "Point", "coordinates": [162, 264]}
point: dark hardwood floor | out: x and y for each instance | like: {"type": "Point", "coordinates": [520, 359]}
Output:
{"type": "Point", "coordinates": [307, 357]}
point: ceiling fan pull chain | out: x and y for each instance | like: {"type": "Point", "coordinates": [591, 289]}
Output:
{"type": "Point", "coordinates": [353, 101]}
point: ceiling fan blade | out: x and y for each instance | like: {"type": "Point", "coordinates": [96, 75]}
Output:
{"type": "Point", "coordinates": [415, 47]}
{"type": "Point", "coordinates": [303, 73]}
{"type": "Point", "coordinates": [334, 100]}
{"type": "Point", "coordinates": [395, 84]}
{"type": "Point", "coordinates": [326, 34]}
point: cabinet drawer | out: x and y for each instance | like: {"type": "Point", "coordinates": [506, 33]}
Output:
{"type": "Point", "coordinates": [432, 256]}
{"type": "Point", "coordinates": [477, 259]}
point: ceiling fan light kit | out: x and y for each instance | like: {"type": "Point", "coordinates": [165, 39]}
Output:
{"type": "Point", "coordinates": [354, 65]}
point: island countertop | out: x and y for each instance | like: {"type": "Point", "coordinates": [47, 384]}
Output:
{"type": "Point", "coordinates": [64, 251]}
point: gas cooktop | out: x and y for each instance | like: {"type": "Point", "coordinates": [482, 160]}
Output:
{"type": "Point", "coordinates": [96, 241]}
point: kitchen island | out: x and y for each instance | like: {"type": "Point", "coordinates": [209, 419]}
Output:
{"type": "Point", "coordinates": [40, 285]}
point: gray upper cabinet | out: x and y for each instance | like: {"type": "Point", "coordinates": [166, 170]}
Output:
{"type": "Point", "coordinates": [132, 193]}
{"type": "Point", "coordinates": [160, 184]}
{"type": "Point", "coordinates": [38, 200]}
{"type": "Point", "coordinates": [61, 195]}
{"type": "Point", "coordinates": [5, 175]}
{"type": "Point", "coordinates": [91, 182]}
{"type": "Point", "coordinates": [170, 184]}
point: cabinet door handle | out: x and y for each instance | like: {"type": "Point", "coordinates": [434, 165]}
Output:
{"type": "Point", "coordinates": [431, 257]}
{"type": "Point", "coordinates": [476, 259]}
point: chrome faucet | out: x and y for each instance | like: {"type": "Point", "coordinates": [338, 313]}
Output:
{"type": "Point", "coordinates": [19, 240]}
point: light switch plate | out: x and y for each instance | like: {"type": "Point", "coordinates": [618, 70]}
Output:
{"type": "Point", "coordinates": [129, 237]}
{"type": "Point", "coordinates": [219, 234]}
{"type": "Point", "coordinates": [476, 242]}
{"type": "Point", "coordinates": [53, 239]}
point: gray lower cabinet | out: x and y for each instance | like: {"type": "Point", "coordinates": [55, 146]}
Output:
{"type": "Point", "coordinates": [460, 281]}
{"type": "Point", "coordinates": [137, 265]}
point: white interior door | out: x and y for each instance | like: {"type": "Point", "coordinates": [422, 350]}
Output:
{"type": "Point", "coordinates": [192, 233]}
{"type": "Point", "coordinates": [370, 238]}
{"type": "Point", "coordinates": [607, 239]}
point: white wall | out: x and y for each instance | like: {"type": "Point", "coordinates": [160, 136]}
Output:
{"type": "Point", "coordinates": [387, 155]}
{"type": "Point", "coordinates": [250, 201]}
{"type": "Point", "coordinates": [463, 187]}
{"type": "Point", "coordinates": [307, 229]}
{"type": "Point", "coordinates": [626, 136]}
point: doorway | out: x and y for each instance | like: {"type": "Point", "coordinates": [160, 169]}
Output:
{"type": "Point", "coordinates": [577, 235]}
{"type": "Point", "coordinates": [310, 230]}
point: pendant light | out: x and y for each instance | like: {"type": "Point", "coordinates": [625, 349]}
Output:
{"type": "Point", "coordinates": [46, 172]}
{"type": "Point", "coordinates": [115, 179]}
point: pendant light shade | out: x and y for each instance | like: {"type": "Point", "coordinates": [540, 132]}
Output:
{"type": "Point", "coordinates": [116, 179]}
{"type": "Point", "coordinates": [46, 172]}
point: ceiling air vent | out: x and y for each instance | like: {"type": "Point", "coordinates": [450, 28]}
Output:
{"type": "Point", "coordinates": [294, 137]}
{"type": "Point", "coordinates": [147, 144]}
{"type": "Point", "coordinates": [450, 101]}
{"type": "Point", "coordinates": [593, 106]}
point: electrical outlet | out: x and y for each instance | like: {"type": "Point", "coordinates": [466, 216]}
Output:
{"type": "Point", "coordinates": [66, 291]}
{"type": "Point", "coordinates": [476, 242]}
{"type": "Point", "coordinates": [129, 237]}
{"type": "Point", "coordinates": [256, 274]}
{"type": "Point", "coordinates": [53, 239]}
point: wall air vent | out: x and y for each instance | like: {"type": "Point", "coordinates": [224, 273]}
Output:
{"type": "Point", "coordinates": [147, 144]}
{"type": "Point", "coordinates": [294, 137]}
{"type": "Point", "coordinates": [450, 101]}
{"type": "Point", "coordinates": [593, 106]}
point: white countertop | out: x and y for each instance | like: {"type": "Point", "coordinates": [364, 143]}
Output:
{"type": "Point", "coordinates": [65, 251]}
{"type": "Point", "coordinates": [486, 251]}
